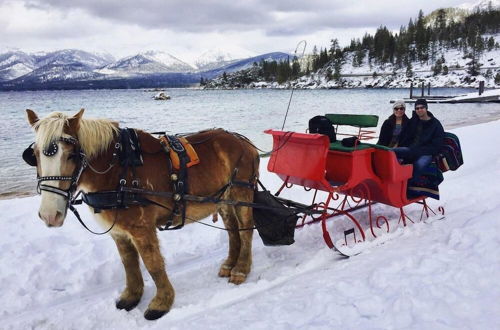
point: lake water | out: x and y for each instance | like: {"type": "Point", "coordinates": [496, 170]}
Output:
{"type": "Point", "coordinates": [248, 112]}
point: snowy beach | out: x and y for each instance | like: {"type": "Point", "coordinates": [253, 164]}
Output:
{"type": "Point", "coordinates": [440, 274]}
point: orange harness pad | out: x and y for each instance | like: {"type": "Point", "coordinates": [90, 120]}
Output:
{"type": "Point", "coordinates": [174, 157]}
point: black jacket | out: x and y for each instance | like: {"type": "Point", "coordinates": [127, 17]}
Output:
{"type": "Point", "coordinates": [431, 136]}
{"type": "Point", "coordinates": [385, 136]}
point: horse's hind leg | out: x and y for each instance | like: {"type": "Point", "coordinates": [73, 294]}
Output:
{"type": "Point", "coordinates": [132, 294]}
{"type": "Point", "coordinates": [148, 246]}
{"type": "Point", "coordinates": [244, 263]}
{"type": "Point", "coordinates": [228, 215]}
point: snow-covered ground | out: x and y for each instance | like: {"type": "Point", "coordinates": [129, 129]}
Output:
{"type": "Point", "coordinates": [437, 275]}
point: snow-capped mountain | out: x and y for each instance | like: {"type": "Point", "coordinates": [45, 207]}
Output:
{"type": "Point", "coordinates": [216, 58]}
{"type": "Point", "coordinates": [245, 64]}
{"type": "Point", "coordinates": [79, 69]}
{"type": "Point", "coordinates": [480, 5]}
{"type": "Point", "coordinates": [458, 14]}
{"type": "Point", "coordinates": [14, 64]}
{"type": "Point", "coordinates": [147, 63]}
{"type": "Point", "coordinates": [57, 65]}
{"type": "Point", "coordinates": [72, 56]}
{"type": "Point", "coordinates": [59, 72]}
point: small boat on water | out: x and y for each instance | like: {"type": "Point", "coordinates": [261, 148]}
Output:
{"type": "Point", "coordinates": [161, 96]}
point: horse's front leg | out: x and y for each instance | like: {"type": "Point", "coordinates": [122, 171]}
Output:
{"type": "Point", "coordinates": [132, 294]}
{"type": "Point", "coordinates": [148, 246]}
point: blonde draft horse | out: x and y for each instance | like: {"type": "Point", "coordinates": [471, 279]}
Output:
{"type": "Point", "coordinates": [220, 153]}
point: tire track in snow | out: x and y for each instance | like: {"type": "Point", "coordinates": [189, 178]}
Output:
{"type": "Point", "coordinates": [80, 300]}
{"type": "Point", "coordinates": [236, 294]}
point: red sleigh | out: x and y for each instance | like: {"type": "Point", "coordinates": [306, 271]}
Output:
{"type": "Point", "coordinates": [353, 177]}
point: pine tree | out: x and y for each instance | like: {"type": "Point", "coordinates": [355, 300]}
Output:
{"type": "Point", "coordinates": [334, 46]}
{"type": "Point", "coordinates": [409, 69]}
{"type": "Point", "coordinates": [477, 47]}
{"type": "Point", "coordinates": [295, 68]}
{"type": "Point", "coordinates": [284, 71]}
{"type": "Point", "coordinates": [497, 78]}
{"type": "Point", "coordinates": [421, 42]}
{"type": "Point", "coordinates": [337, 66]}
{"type": "Point", "coordinates": [438, 67]}
{"type": "Point", "coordinates": [491, 43]}
{"type": "Point", "coordinates": [357, 59]}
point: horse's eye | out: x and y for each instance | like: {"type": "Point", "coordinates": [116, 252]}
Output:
{"type": "Point", "coordinates": [51, 150]}
{"type": "Point", "coordinates": [72, 156]}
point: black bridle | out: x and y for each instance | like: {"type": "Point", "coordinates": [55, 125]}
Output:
{"type": "Point", "coordinates": [78, 156]}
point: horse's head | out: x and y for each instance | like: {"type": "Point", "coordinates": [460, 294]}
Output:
{"type": "Point", "coordinates": [56, 154]}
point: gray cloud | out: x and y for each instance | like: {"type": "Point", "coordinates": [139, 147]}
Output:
{"type": "Point", "coordinates": [177, 15]}
{"type": "Point", "coordinates": [282, 17]}
{"type": "Point", "coordinates": [187, 27]}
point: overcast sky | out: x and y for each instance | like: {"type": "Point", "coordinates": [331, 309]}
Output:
{"type": "Point", "coordinates": [186, 28]}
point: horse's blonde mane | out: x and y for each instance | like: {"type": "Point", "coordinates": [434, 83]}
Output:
{"type": "Point", "coordinates": [94, 135]}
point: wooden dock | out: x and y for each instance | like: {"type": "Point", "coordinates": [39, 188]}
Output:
{"type": "Point", "coordinates": [482, 96]}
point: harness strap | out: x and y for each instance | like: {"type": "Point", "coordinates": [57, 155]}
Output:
{"type": "Point", "coordinates": [307, 209]}
{"type": "Point", "coordinates": [131, 154]}
{"type": "Point", "coordinates": [55, 190]}
{"type": "Point", "coordinates": [179, 179]}
{"type": "Point", "coordinates": [135, 197]}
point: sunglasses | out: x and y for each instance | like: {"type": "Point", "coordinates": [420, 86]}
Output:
{"type": "Point", "coordinates": [399, 108]}
{"type": "Point", "coordinates": [419, 107]}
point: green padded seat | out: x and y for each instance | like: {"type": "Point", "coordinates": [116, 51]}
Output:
{"type": "Point", "coordinates": [353, 120]}
{"type": "Point", "coordinates": [337, 145]}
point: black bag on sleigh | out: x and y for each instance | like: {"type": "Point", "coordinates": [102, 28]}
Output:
{"type": "Point", "coordinates": [274, 221]}
{"type": "Point", "coordinates": [322, 125]}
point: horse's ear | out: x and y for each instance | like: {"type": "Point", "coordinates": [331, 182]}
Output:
{"type": "Point", "coordinates": [32, 117]}
{"type": "Point", "coordinates": [74, 122]}
{"type": "Point", "coordinates": [79, 114]}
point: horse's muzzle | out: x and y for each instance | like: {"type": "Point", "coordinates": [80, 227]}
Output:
{"type": "Point", "coordinates": [52, 219]}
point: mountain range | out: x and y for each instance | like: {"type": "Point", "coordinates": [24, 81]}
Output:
{"type": "Point", "coordinates": [78, 69]}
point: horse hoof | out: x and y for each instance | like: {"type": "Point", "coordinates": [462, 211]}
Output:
{"type": "Point", "coordinates": [225, 271]}
{"type": "Point", "coordinates": [237, 278]}
{"type": "Point", "coordinates": [152, 314]}
{"type": "Point", "coordinates": [127, 305]}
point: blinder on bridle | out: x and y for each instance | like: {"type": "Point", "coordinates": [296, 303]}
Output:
{"type": "Point", "coordinates": [81, 163]}
{"type": "Point", "coordinates": [29, 153]}
{"type": "Point", "coordinates": [51, 149]}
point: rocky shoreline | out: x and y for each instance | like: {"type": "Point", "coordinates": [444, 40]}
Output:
{"type": "Point", "coordinates": [455, 79]}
